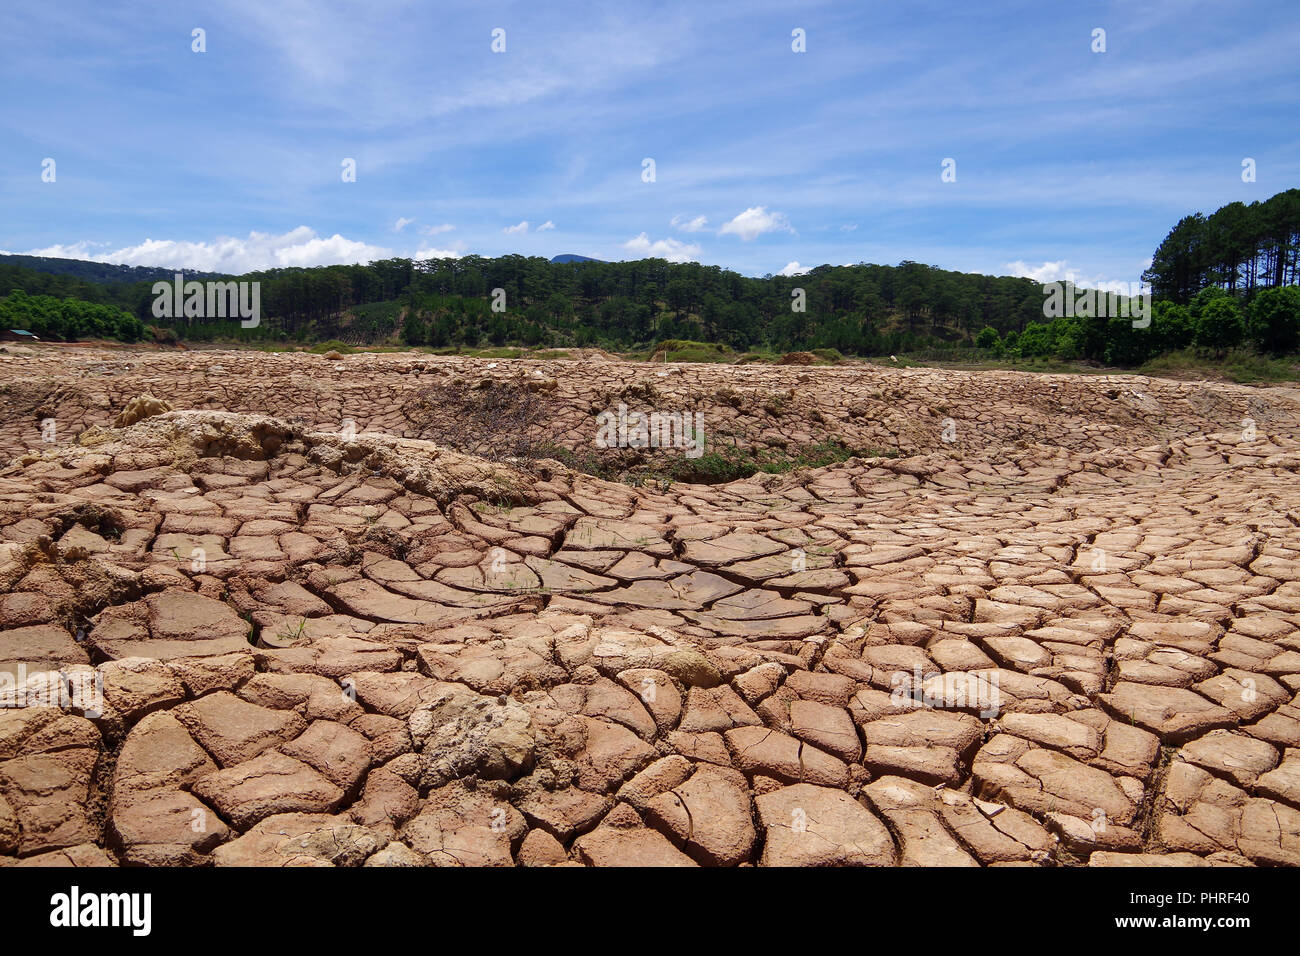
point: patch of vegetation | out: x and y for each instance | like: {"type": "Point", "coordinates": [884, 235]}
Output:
{"type": "Point", "coordinates": [1249, 368]}
{"type": "Point", "coordinates": [494, 419]}
{"type": "Point", "coordinates": [293, 634]}
{"type": "Point", "coordinates": [1242, 367]}
{"type": "Point", "coordinates": [685, 350]}
{"type": "Point", "coordinates": [715, 466]}
{"type": "Point", "coordinates": [333, 345]}
{"type": "Point", "coordinates": [731, 462]}
{"type": "Point", "coordinates": [494, 353]}
{"type": "Point", "coordinates": [48, 317]}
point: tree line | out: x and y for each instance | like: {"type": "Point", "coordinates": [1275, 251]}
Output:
{"type": "Point", "coordinates": [1223, 281]}
{"type": "Point", "coordinates": [859, 309]}
{"type": "Point", "coordinates": [1214, 321]}
{"type": "Point", "coordinates": [66, 319]}
{"type": "Point", "coordinates": [1239, 248]}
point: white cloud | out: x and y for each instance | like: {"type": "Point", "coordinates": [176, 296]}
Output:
{"type": "Point", "coordinates": [674, 250]}
{"type": "Point", "coordinates": [402, 223]}
{"type": "Point", "coordinates": [698, 224]}
{"type": "Point", "coordinates": [516, 229]}
{"type": "Point", "coordinates": [754, 222]}
{"type": "Point", "coordinates": [1061, 271]}
{"type": "Point", "coordinates": [849, 227]}
{"type": "Point", "coordinates": [75, 250]}
{"type": "Point", "coordinates": [424, 253]}
{"type": "Point", "coordinates": [1047, 272]}
{"type": "Point", "coordinates": [227, 254]}
{"type": "Point", "coordinates": [545, 226]}
{"type": "Point", "coordinates": [793, 269]}
{"type": "Point", "coordinates": [435, 230]}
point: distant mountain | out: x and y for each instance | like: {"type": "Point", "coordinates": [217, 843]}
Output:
{"type": "Point", "coordinates": [105, 272]}
{"type": "Point", "coordinates": [570, 257]}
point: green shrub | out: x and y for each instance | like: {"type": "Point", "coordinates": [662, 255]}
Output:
{"type": "Point", "coordinates": [1220, 325]}
{"type": "Point", "coordinates": [1273, 322]}
{"type": "Point", "coordinates": [1172, 326]}
{"type": "Point", "coordinates": [1036, 340]}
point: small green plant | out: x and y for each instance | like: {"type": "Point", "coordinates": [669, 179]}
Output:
{"type": "Point", "coordinates": [294, 635]}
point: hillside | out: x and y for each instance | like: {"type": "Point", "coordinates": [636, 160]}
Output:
{"type": "Point", "coordinates": [1234, 289]}
{"type": "Point", "coordinates": [106, 273]}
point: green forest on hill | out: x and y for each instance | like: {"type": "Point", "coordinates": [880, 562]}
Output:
{"type": "Point", "coordinates": [1221, 282]}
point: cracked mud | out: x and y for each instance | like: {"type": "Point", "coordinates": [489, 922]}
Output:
{"type": "Point", "coordinates": [1070, 635]}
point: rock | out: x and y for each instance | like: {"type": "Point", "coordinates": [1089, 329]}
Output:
{"type": "Point", "coordinates": [47, 764]}
{"type": "Point", "coordinates": [233, 730]}
{"type": "Point", "coordinates": [459, 732]}
{"type": "Point", "coordinates": [301, 839]}
{"type": "Point", "coordinates": [541, 849]}
{"type": "Point", "coordinates": [461, 827]}
{"type": "Point", "coordinates": [915, 814]}
{"type": "Point", "coordinates": [709, 816]}
{"type": "Point", "coordinates": [1174, 714]}
{"type": "Point", "coordinates": [759, 750]}
{"type": "Point", "coordinates": [563, 813]}
{"type": "Point", "coordinates": [140, 408]}
{"type": "Point", "coordinates": [395, 854]}
{"type": "Point", "coordinates": [270, 784]}
{"type": "Point", "coordinates": [622, 840]}
{"type": "Point", "coordinates": [807, 825]}
{"type": "Point", "coordinates": [341, 755]}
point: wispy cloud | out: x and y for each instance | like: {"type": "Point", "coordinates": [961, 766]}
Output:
{"type": "Point", "coordinates": [682, 224]}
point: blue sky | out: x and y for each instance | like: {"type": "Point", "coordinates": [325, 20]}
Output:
{"type": "Point", "coordinates": [1069, 163]}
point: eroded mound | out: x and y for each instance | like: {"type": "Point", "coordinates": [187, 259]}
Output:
{"type": "Point", "coordinates": [760, 408]}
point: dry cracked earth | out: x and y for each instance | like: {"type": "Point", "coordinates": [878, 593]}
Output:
{"type": "Point", "coordinates": [1069, 635]}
